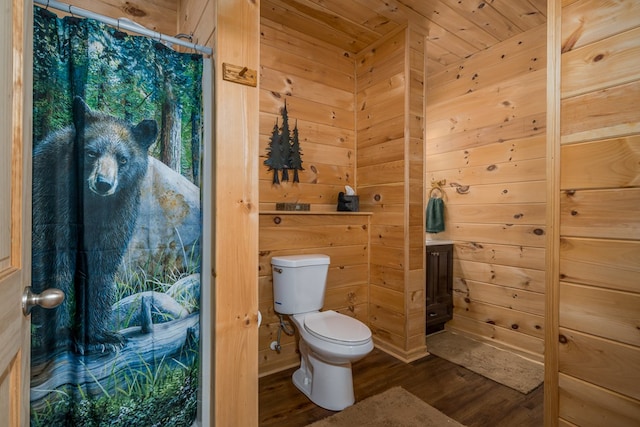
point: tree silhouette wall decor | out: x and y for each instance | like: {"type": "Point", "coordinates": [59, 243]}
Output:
{"type": "Point", "coordinates": [283, 151]}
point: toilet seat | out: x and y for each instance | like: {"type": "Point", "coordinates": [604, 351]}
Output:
{"type": "Point", "coordinates": [337, 328]}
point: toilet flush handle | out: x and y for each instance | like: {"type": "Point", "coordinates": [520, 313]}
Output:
{"type": "Point", "coordinates": [277, 270]}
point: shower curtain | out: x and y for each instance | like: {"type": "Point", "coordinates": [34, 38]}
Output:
{"type": "Point", "coordinates": [116, 225]}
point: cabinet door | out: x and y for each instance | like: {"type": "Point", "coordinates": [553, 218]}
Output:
{"type": "Point", "coordinates": [439, 284]}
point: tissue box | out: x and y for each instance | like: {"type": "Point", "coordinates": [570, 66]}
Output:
{"type": "Point", "coordinates": [348, 203]}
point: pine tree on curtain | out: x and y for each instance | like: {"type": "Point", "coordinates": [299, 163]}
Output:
{"type": "Point", "coordinates": [114, 227]}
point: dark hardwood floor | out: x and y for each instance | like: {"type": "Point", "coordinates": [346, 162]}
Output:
{"type": "Point", "coordinates": [463, 395]}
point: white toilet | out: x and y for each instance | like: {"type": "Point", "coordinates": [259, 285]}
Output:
{"type": "Point", "coordinates": [329, 341]}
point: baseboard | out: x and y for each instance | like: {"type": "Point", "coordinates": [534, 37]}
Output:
{"type": "Point", "coordinates": [404, 356]}
{"type": "Point", "coordinates": [279, 369]}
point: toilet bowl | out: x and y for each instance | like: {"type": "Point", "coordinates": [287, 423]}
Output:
{"type": "Point", "coordinates": [329, 341]}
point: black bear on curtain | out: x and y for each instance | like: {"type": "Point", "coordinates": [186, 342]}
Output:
{"type": "Point", "coordinates": [87, 192]}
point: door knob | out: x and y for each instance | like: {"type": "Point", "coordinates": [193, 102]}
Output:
{"type": "Point", "coordinates": [49, 298]}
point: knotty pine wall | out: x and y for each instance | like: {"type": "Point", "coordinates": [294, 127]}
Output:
{"type": "Point", "coordinates": [485, 136]}
{"type": "Point", "coordinates": [318, 82]}
{"type": "Point", "coordinates": [234, 370]}
{"type": "Point", "coordinates": [195, 17]}
{"type": "Point", "coordinates": [598, 349]}
{"type": "Point", "coordinates": [155, 15]}
{"type": "Point", "coordinates": [198, 18]}
{"type": "Point", "coordinates": [390, 154]}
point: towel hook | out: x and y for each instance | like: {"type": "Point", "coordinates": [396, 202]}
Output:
{"type": "Point", "coordinates": [437, 186]}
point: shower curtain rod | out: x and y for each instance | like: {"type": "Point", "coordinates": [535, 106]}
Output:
{"type": "Point", "coordinates": [122, 24]}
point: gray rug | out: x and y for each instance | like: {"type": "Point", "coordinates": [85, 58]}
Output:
{"type": "Point", "coordinates": [499, 365]}
{"type": "Point", "coordinates": [395, 407]}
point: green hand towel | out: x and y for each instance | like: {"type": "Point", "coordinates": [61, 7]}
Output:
{"type": "Point", "coordinates": [435, 215]}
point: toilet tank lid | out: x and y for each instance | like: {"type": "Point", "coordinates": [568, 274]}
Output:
{"type": "Point", "coordinates": [300, 260]}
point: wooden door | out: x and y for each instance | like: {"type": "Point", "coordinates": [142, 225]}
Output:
{"type": "Point", "coordinates": [15, 214]}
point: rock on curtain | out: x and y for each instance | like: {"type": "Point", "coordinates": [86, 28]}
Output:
{"type": "Point", "coordinates": [116, 225]}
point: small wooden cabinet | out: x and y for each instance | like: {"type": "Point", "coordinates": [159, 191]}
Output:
{"type": "Point", "coordinates": [439, 285]}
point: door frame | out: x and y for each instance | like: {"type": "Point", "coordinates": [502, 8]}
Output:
{"type": "Point", "coordinates": [15, 239]}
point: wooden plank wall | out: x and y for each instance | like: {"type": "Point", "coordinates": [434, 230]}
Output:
{"type": "Point", "coordinates": [415, 275]}
{"type": "Point", "coordinates": [234, 393]}
{"type": "Point", "coordinates": [198, 18]}
{"type": "Point", "coordinates": [236, 202]}
{"type": "Point", "coordinates": [318, 82]}
{"type": "Point", "coordinates": [192, 17]}
{"type": "Point", "coordinates": [381, 78]}
{"type": "Point", "coordinates": [390, 94]}
{"type": "Point", "coordinates": [345, 238]}
{"type": "Point", "coordinates": [485, 136]}
{"type": "Point", "coordinates": [155, 15]}
{"type": "Point", "coordinates": [599, 287]}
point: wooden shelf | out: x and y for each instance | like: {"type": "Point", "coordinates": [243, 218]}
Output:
{"type": "Point", "coordinates": [273, 212]}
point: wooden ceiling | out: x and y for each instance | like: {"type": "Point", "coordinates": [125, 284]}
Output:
{"type": "Point", "coordinates": [456, 29]}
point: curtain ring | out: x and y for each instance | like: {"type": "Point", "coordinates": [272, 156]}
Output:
{"type": "Point", "coordinates": [70, 12]}
{"type": "Point", "coordinates": [47, 6]}
{"type": "Point", "coordinates": [118, 24]}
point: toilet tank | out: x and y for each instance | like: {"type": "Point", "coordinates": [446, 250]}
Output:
{"type": "Point", "coordinates": [299, 282]}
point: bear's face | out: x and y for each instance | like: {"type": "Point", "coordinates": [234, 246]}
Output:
{"type": "Point", "coordinates": [114, 153]}
{"type": "Point", "coordinates": [111, 158]}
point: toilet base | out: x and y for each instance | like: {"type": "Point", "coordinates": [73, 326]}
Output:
{"type": "Point", "coordinates": [328, 385]}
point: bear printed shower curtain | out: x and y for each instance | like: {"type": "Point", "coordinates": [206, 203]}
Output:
{"type": "Point", "coordinates": [116, 225]}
